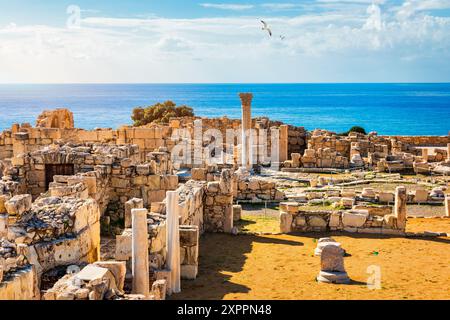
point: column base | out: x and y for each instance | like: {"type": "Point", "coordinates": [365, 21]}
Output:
{"type": "Point", "coordinates": [333, 277]}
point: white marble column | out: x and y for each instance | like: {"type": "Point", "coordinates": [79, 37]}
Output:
{"type": "Point", "coordinates": [246, 101]}
{"type": "Point", "coordinates": [173, 240]}
{"type": "Point", "coordinates": [400, 206]}
{"type": "Point", "coordinates": [139, 252]}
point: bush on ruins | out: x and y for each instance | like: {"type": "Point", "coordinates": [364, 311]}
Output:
{"type": "Point", "coordinates": [160, 113]}
{"type": "Point", "coordinates": [354, 129]}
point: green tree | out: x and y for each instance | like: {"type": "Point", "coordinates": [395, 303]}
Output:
{"type": "Point", "coordinates": [357, 129]}
{"type": "Point", "coordinates": [159, 113]}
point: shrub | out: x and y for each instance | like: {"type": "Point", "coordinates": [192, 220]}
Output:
{"type": "Point", "coordinates": [354, 129]}
{"type": "Point", "coordinates": [357, 129]}
{"type": "Point", "coordinates": [159, 113]}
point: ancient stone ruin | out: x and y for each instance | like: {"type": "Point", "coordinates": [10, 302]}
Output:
{"type": "Point", "coordinates": [64, 190]}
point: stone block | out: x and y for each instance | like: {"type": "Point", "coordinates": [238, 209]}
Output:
{"type": "Point", "coordinates": [198, 174]}
{"type": "Point", "coordinates": [118, 270]}
{"type": "Point", "coordinates": [335, 220]}
{"type": "Point", "coordinates": [420, 196]}
{"type": "Point", "coordinates": [17, 205]}
{"type": "Point", "coordinates": [385, 197]}
{"type": "Point", "coordinates": [285, 222]}
{"type": "Point", "coordinates": [123, 245]}
{"type": "Point", "coordinates": [317, 222]}
{"type": "Point", "coordinates": [355, 219]}
{"type": "Point", "coordinates": [237, 212]}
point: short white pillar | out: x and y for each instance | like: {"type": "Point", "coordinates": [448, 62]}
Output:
{"type": "Point", "coordinates": [139, 252]}
{"type": "Point", "coordinates": [173, 240]}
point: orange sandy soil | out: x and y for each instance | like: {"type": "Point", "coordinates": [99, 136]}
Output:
{"type": "Point", "coordinates": [284, 267]}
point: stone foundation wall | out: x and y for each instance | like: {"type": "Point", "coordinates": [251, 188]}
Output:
{"type": "Point", "coordinates": [294, 219]}
{"type": "Point", "coordinates": [218, 204]}
{"type": "Point", "coordinates": [257, 190]}
{"type": "Point", "coordinates": [427, 141]}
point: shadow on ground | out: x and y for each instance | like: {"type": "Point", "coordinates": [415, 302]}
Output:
{"type": "Point", "coordinates": [220, 255]}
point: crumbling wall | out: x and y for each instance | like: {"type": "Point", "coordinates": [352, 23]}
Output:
{"type": "Point", "coordinates": [58, 118]}
{"type": "Point", "coordinates": [257, 190]}
{"type": "Point", "coordinates": [294, 219]}
{"type": "Point", "coordinates": [218, 204]}
{"type": "Point", "coordinates": [56, 231]}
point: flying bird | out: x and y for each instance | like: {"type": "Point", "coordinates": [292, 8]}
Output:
{"type": "Point", "coordinates": [266, 27]}
{"type": "Point", "coordinates": [282, 37]}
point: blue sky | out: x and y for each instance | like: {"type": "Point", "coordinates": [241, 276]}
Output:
{"type": "Point", "coordinates": [222, 41]}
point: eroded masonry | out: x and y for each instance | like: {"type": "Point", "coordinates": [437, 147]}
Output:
{"type": "Point", "coordinates": [63, 189]}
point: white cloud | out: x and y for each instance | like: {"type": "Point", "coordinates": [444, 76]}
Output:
{"type": "Point", "coordinates": [411, 7]}
{"type": "Point", "coordinates": [222, 49]}
{"type": "Point", "coordinates": [227, 6]}
{"type": "Point", "coordinates": [281, 6]}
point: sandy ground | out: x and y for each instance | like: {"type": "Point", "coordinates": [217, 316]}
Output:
{"type": "Point", "coordinates": [284, 267]}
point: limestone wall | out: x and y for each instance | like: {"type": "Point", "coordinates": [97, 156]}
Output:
{"type": "Point", "coordinates": [20, 285]}
{"type": "Point", "coordinates": [294, 219]}
{"type": "Point", "coordinates": [218, 205]}
{"type": "Point", "coordinates": [422, 140]}
{"type": "Point", "coordinates": [257, 190]}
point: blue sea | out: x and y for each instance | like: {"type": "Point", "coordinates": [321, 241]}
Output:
{"type": "Point", "coordinates": [390, 109]}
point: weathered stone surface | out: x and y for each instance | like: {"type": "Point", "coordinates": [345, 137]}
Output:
{"type": "Point", "coordinates": [17, 205]}
{"type": "Point", "coordinates": [400, 206]}
{"type": "Point", "coordinates": [118, 270]}
{"type": "Point", "coordinates": [323, 242]}
{"type": "Point", "coordinates": [354, 218]}
{"type": "Point", "coordinates": [285, 222]}
{"type": "Point", "coordinates": [316, 221]}
{"type": "Point", "coordinates": [420, 195]}
{"type": "Point", "coordinates": [159, 289]}
{"type": "Point", "coordinates": [237, 211]}
{"type": "Point", "coordinates": [58, 118]}
{"type": "Point", "coordinates": [332, 258]}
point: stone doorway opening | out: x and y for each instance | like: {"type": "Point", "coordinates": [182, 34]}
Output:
{"type": "Point", "coordinates": [51, 170]}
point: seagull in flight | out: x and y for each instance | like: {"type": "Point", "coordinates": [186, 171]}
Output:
{"type": "Point", "coordinates": [266, 27]}
{"type": "Point", "coordinates": [282, 37]}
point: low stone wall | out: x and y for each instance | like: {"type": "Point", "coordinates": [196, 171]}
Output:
{"type": "Point", "coordinates": [257, 190]}
{"type": "Point", "coordinates": [294, 219]}
{"type": "Point", "coordinates": [218, 204]}
{"type": "Point", "coordinates": [427, 141]}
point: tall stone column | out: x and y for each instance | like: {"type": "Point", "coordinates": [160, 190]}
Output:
{"type": "Point", "coordinates": [139, 252]}
{"type": "Point", "coordinates": [284, 140]}
{"type": "Point", "coordinates": [246, 101]}
{"type": "Point", "coordinates": [173, 240]}
{"type": "Point", "coordinates": [400, 206]}
{"type": "Point", "coordinates": [448, 151]}
{"type": "Point", "coordinates": [447, 205]}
